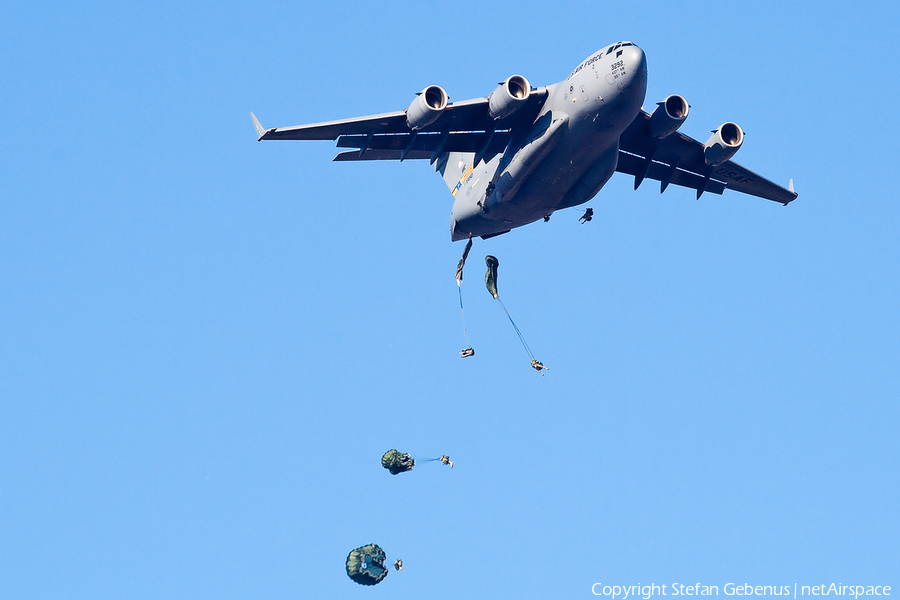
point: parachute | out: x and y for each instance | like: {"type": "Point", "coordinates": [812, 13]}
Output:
{"type": "Point", "coordinates": [395, 462]}
{"type": "Point", "coordinates": [469, 350]}
{"type": "Point", "coordinates": [462, 262]}
{"type": "Point", "coordinates": [490, 278]}
{"type": "Point", "coordinates": [490, 282]}
{"type": "Point", "coordinates": [365, 565]}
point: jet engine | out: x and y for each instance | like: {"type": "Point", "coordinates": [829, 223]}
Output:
{"type": "Point", "coordinates": [668, 116]}
{"type": "Point", "coordinates": [426, 108]}
{"type": "Point", "coordinates": [724, 142]}
{"type": "Point", "coordinates": [509, 97]}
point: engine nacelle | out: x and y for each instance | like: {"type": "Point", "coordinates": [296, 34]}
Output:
{"type": "Point", "coordinates": [725, 141]}
{"type": "Point", "coordinates": [426, 108]}
{"type": "Point", "coordinates": [509, 97]}
{"type": "Point", "coordinates": [668, 116]}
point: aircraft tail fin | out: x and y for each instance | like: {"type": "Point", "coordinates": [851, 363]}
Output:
{"type": "Point", "coordinates": [455, 166]}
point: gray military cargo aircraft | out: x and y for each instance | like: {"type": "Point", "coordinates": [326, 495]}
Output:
{"type": "Point", "coordinates": [521, 153]}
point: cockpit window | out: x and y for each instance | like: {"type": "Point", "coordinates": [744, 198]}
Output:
{"type": "Point", "coordinates": [617, 46]}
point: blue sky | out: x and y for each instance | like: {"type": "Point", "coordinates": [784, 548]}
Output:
{"type": "Point", "coordinates": [209, 342]}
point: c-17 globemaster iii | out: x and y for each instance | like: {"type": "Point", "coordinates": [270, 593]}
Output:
{"type": "Point", "coordinates": [521, 153]}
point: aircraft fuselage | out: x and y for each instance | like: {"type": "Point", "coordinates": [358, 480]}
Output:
{"type": "Point", "coordinates": [564, 159]}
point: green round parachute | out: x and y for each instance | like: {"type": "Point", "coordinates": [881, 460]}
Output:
{"type": "Point", "coordinates": [490, 278]}
{"type": "Point", "coordinates": [365, 565]}
{"type": "Point", "coordinates": [395, 462]}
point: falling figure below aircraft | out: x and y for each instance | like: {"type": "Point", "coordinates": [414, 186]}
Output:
{"type": "Point", "coordinates": [587, 216]}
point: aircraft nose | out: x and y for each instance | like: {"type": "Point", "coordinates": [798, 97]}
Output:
{"type": "Point", "coordinates": [635, 63]}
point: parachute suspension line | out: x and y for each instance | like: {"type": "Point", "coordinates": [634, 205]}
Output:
{"type": "Point", "coordinates": [490, 282]}
{"type": "Point", "coordinates": [519, 333]}
{"type": "Point", "coordinates": [444, 459]}
{"type": "Point", "coordinates": [469, 351]}
{"type": "Point", "coordinates": [462, 310]}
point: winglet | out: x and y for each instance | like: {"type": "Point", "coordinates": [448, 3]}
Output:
{"type": "Point", "coordinates": [260, 132]}
{"type": "Point", "coordinates": [792, 192]}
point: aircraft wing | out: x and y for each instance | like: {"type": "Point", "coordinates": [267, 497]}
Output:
{"type": "Point", "coordinates": [463, 126]}
{"type": "Point", "coordinates": [678, 159]}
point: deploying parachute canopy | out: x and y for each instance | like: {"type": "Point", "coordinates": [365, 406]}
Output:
{"type": "Point", "coordinates": [490, 278]}
{"type": "Point", "coordinates": [462, 262]}
{"type": "Point", "coordinates": [490, 282]}
{"type": "Point", "coordinates": [365, 565]}
{"type": "Point", "coordinates": [395, 462]}
{"type": "Point", "coordinates": [469, 350]}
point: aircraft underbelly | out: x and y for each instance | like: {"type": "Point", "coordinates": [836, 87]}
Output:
{"type": "Point", "coordinates": [557, 182]}
{"type": "Point", "coordinates": [582, 156]}
{"type": "Point", "coordinates": [550, 186]}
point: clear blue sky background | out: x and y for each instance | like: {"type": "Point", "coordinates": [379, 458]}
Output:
{"type": "Point", "coordinates": [208, 342]}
